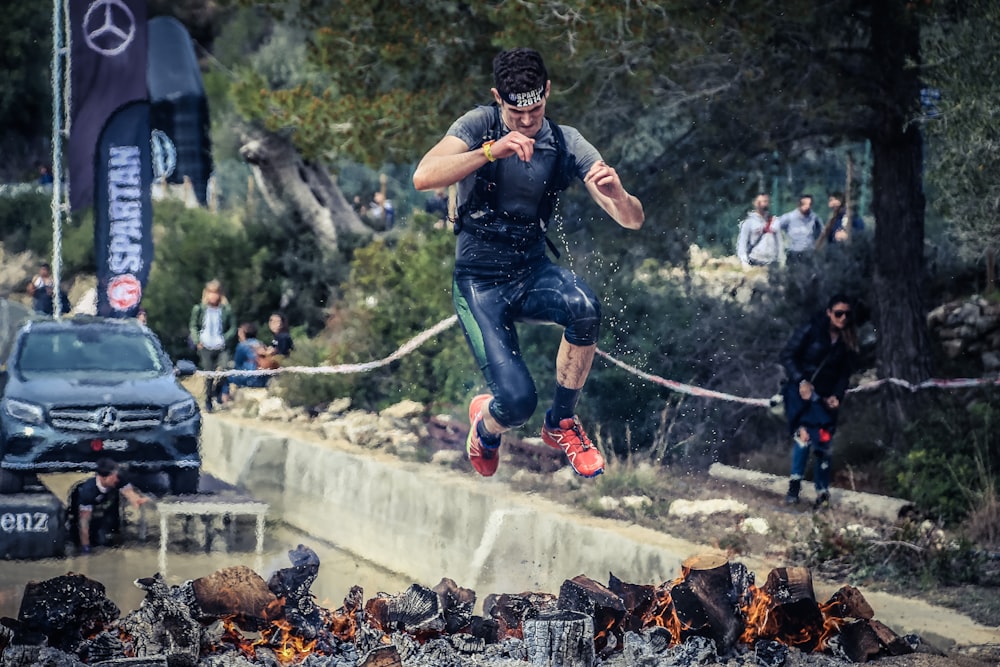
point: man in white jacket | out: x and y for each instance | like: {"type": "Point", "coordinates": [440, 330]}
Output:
{"type": "Point", "coordinates": [760, 241]}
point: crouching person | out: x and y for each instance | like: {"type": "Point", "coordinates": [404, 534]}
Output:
{"type": "Point", "coordinates": [94, 510]}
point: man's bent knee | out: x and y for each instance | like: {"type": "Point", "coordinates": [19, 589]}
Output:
{"type": "Point", "coordinates": [512, 411]}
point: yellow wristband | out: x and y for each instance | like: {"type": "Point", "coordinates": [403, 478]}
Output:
{"type": "Point", "coordinates": [487, 152]}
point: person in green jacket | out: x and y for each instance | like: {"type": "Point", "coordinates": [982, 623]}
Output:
{"type": "Point", "coordinates": [212, 330]}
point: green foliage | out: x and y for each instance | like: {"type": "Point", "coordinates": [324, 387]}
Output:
{"type": "Point", "coordinates": [25, 92]}
{"type": "Point", "coordinates": [398, 286]}
{"type": "Point", "coordinates": [951, 462]}
{"type": "Point", "coordinates": [963, 126]}
{"type": "Point", "coordinates": [191, 247]}
{"type": "Point", "coordinates": [26, 222]}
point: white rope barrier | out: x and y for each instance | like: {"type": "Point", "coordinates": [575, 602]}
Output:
{"type": "Point", "coordinates": [423, 337]}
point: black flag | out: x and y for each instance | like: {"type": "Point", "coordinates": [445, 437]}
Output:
{"type": "Point", "coordinates": [180, 120]}
{"type": "Point", "coordinates": [123, 216]}
{"type": "Point", "coordinates": [108, 70]}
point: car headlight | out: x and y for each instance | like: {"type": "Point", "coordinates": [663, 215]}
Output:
{"type": "Point", "coordinates": [30, 413]}
{"type": "Point", "coordinates": [181, 411]}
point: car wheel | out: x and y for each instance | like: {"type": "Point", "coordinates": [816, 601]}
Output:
{"type": "Point", "coordinates": [11, 482]}
{"type": "Point", "coordinates": [184, 481]}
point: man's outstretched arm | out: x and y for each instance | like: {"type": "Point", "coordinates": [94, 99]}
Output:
{"type": "Point", "coordinates": [606, 189]}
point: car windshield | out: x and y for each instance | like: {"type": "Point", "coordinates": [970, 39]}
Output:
{"type": "Point", "coordinates": [89, 351]}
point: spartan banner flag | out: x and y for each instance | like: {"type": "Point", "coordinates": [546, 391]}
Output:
{"type": "Point", "coordinates": [181, 145]}
{"type": "Point", "coordinates": [123, 215]}
{"type": "Point", "coordinates": [108, 66]}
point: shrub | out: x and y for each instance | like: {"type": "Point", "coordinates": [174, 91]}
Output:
{"type": "Point", "coordinates": [947, 471]}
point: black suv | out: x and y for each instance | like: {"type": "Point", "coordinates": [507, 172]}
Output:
{"type": "Point", "coordinates": [76, 390]}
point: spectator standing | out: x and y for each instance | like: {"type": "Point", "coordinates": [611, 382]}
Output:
{"type": "Point", "coordinates": [759, 242]}
{"type": "Point", "coordinates": [802, 227]}
{"type": "Point", "coordinates": [511, 163]}
{"type": "Point", "coordinates": [41, 288]}
{"type": "Point", "coordinates": [838, 228]}
{"type": "Point", "coordinates": [94, 507]}
{"type": "Point", "coordinates": [818, 361]}
{"type": "Point", "coordinates": [212, 330]}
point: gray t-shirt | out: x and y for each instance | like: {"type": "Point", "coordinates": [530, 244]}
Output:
{"type": "Point", "coordinates": [520, 184]}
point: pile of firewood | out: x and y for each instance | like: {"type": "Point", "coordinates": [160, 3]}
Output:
{"type": "Point", "coordinates": [713, 611]}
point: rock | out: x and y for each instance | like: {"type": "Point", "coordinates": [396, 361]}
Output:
{"type": "Point", "coordinates": [688, 508]}
{"type": "Point", "coordinates": [447, 457]}
{"type": "Point", "coordinates": [403, 410]}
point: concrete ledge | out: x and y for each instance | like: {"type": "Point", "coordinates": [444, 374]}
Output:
{"type": "Point", "coordinates": [429, 523]}
{"type": "Point", "coordinates": [426, 523]}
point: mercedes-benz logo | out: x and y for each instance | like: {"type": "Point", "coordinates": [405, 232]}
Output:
{"type": "Point", "coordinates": [108, 27]}
{"type": "Point", "coordinates": [107, 419]}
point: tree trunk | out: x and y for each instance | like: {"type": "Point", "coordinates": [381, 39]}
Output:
{"type": "Point", "coordinates": [903, 347]}
{"type": "Point", "coordinates": [285, 179]}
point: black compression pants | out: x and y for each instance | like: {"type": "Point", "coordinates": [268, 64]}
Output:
{"type": "Point", "coordinates": [488, 311]}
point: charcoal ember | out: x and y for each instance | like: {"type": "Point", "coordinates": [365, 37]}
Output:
{"type": "Point", "coordinates": [848, 602]}
{"type": "Point", "coordinates": [769, 653]}
{"type": "Point", "coordinates": [510, 610]}
{"type": "Point", "coordinates": [66, 609]}
{"type": "Point", "coordinates": [440, 653]}
{"type": "Point", "coordinates": [317, 660]}
{"type": "Point", "coordinates": [742, 581]}
{"type": "Point", "coordinates": [637, 598]}
{"type": "Point", "coordinates": [367, 638]}
{"type": "Point", "coordinates": [564, 636]}
{"type": "Point", "coordinates": [417, 610]}
{"type": "Point", "coordinates": [48, 656]}
{"type": "Point", "coordinates": [466, 643]}
{"type": "Point", "coordinates": [293, 584]}
{"type": "Point", "coordinates": [343, 622]}
{"type": "Point", "coordinates": [487, 629]}
{"type": "Point", "coordinates": [105, 646]}
{"type": "Point", "coordinates": [6, 632]}
{"type": "Point", "coordinates": [406, 646]}
{"type": "Point", "coordinates": [163, 624]}
{"type": "Point", "coordinates": [21, 655]}
{"type": "Point", "coordinates": [239, 593]}
{"type": "Point", "coordinates": [150, 661]}
{"type": "Point", "coordinates": [695, 650]}
{"type": "Point", "coordinates": [584, 595]}
{"type": "Point", "coordinates": [382, 656]}
{"type": "Point", "coordinates": [227, 659]}
{"type": "Point", "coordinates": [658, 638]}
{"type": "Point", "coordinates": [457, 604]}
{"type": "Point", "coordinates": [12, 631]}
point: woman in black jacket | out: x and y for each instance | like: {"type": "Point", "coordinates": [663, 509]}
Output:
{"type": "Point", "coordinates": [818, 360]}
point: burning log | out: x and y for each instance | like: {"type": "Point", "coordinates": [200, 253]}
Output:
{"type": "Point", "coordinates": [703, 601]}
{"type": "Point", "coordinates": [416, 611]}
{"type": "Point", "coordinates": [607, 610]}
{"type": "Point", "coordinates": [238, 593]}
{"type": "Point", "coordinates": [637, 599]}
{"type": "Point", "coordinates": [293, 586]}
{"type": "Point", "coordinates": [562, 637]}
{"type": "Point", "coordinates": [457, 604]}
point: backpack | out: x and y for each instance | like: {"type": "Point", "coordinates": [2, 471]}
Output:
{"type": "Point", "coordinates": [479, 211]}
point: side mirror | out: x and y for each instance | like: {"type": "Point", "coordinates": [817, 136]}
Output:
{"type": "Point", "coordinates": [185, 368]}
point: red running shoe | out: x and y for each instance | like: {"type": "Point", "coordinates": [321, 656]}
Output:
{"type": "Point", "coordinates": [572, 439]}
{"type": "Point", "coordinates": [483, 458]}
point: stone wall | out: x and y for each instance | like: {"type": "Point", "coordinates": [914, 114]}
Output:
{"type": "Point", "coordinates": [969, 328]}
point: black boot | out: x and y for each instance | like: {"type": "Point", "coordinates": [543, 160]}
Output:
{"type": "Point", "coordinates": [792, 498]}
{"type": "Point", "coordinates": [822, 501]}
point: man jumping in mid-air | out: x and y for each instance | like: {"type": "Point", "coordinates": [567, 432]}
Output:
{"type": "Point", "coordinates": [511, 163]}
